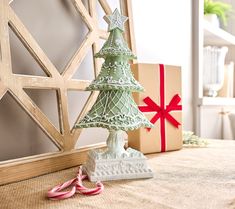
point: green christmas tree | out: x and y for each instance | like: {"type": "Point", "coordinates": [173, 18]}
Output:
{"type": "Point", "coordinates": [115, 108]}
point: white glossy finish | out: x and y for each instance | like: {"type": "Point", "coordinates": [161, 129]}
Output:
{"type": "Point", "coordinates": [116, 162]}
{"type": "Point", "coordinates": [213, 69]}
{"type": "Point", "coordinates": [106, 167]}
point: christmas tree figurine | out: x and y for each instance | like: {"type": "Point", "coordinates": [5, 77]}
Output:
{"type": "Point", "coordinates": [115, 110]}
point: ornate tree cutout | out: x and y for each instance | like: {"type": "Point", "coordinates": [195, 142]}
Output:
{"type": "Point", "coordinates": [65, 138]}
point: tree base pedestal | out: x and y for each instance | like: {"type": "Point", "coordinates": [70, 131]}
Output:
{"type": "Point", "coordinates": [103, 166]}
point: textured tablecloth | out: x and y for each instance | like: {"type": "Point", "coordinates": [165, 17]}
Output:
{"type": "Point", "coordinates": [192, 178]}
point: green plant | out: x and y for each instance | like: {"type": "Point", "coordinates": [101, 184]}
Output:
{"type": "Point", "coordinates": [222, 10]}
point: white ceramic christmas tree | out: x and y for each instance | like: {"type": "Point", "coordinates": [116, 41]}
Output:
{"type": "Point", "coordinates": [115, 110]}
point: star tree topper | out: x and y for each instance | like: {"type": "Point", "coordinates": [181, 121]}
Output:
{"type": "Point", "coordinates": [116, 20]}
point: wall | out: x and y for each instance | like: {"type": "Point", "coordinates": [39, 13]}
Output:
{"type": "Point", "coordinates": [163, 32]}
{"type": "Point", "coordinates": [160, 37]}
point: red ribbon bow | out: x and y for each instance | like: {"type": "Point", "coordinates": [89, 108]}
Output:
{"type": "Point", "coordinates": [162, 111]}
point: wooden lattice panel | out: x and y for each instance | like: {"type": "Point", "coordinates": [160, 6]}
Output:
{"type": "Point", "coordinates": [66, 137]}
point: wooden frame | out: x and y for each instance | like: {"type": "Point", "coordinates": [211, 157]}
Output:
{"type": "Point", "coordinates": [65, 138]}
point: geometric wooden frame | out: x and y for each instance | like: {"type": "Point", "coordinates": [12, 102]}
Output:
{"type": "Point", "coordinates": [65, 138]}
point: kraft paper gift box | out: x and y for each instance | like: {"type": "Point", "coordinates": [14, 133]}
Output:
{"type": "Point", "coordinates": [161, 104]}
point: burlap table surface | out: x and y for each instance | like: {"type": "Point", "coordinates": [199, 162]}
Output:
{"type": "Point", "coordinates": [194, 178]}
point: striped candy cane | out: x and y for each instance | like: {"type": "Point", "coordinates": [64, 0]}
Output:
{"type": "Point", "coordinates": [77, 187]}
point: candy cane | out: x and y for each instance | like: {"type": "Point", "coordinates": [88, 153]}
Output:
{"type": "Point", "coordinates": [83, 190]}
{"type": "Point", "coordinates": [77, 187]}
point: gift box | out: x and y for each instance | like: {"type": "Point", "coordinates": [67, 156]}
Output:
{"type": "Point", "coordinates": [161, 104]}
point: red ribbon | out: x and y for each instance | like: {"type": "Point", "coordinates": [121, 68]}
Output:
{"type": "Point", "coordinates": [162, 111]}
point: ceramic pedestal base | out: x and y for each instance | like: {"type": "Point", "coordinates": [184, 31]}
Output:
{"type": "Point", "coordinates": [102, 166]}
